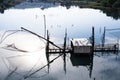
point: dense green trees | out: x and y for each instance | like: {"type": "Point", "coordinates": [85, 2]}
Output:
{"type": "Point", "coordinates": [105, 3]}
{"type": "Point", "coordinates": [110, 3]}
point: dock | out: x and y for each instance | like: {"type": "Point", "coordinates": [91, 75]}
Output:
{"type": "Point", "coordinates": [97, 48]}
{"type": "Point", "coordinates": [107, 48]}
{"type": "Point", "coordinates": [55, 50]}
{"type": "Point", "coordinates": [83, 46]}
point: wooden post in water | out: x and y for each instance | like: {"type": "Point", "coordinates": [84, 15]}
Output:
{"type": "Point", "coordinates": [93, 39]}
{"type": "Point", "coordinates": [44, 26]}
{"type": "Point", "coordinates": [103, 38]}
{"type": "Point", "coordinates": [64, 51]}
{"type": "Point", "coordinates": [65, 40]}
{"type": "Point", "coordinates": [92, 55]}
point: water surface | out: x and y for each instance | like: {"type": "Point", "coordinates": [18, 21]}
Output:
{"type": "Point", "coordinates": [22, 53]}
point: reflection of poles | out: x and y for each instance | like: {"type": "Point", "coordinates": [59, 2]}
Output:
{"type": "Point", "coordinates": [118, 43]}
{"type": "Point", "coordinates": [47, 51]}
{"type": "Point", "coordinates": [91, 64]}
{"type": "Point", "coordinates": [48, 60]}
{"type": "Point", "coordinates": [64, 56]}
{"type": "Point", "coordinates": [29, 75]}
{"type": "Point", "coordinates": [47, 46]}
{"type": "Point", "coordinates": [10, 74]}
{"type": "Point", "coordinates": [93, 39]}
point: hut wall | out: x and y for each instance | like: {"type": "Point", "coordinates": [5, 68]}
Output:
{"type": "Point", "coordinates": [82, 49]}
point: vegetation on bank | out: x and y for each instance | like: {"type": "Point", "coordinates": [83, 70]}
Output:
{"type": "Point", "coordinates": [95, 3]}
{"type": "Point", "coordinates": [82, 3]}
{"type": "Point", "coordinates": [110, 3]}
{"type": "Point", "coordinates": [10, 2]}
{"type": "Point", "coordinates": [5, 4]}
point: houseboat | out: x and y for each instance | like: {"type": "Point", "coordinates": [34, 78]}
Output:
{"type": "Point", "coordinates": [81, 45]}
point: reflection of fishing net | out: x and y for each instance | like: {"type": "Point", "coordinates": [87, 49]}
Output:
{"type": "Point", "coordinates": [31, 63]}
{"type": "Point", "coordinates": [25, 64]}
{"type": "Point", "coordinates": [21, 54]}
{"type": "Point", "coordinates": [22, 64]}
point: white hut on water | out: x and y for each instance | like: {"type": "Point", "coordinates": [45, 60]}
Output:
{"type": "Point", "coordinates": [81, 45]}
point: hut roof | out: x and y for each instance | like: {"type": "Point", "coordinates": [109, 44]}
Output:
{"type": "Point", "coordinates": [81, 42]}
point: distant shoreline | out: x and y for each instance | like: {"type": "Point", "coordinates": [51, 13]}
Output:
{"type": "Point", "coordinates": [82, 4]}
{"type": "Point", "coordinates": [110, 11]}
{"type": "Point", "coordinates": [89, 4]}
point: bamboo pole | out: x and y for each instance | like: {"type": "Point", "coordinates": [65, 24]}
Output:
{"type": "Point", "coordinates": [64, 51]}
{"type": "Point", "coordinates": [103, 39]}
{"type": "Point", "coordinates": [44, 26]}
{"type": "Point", "coordinates": [41, 37]}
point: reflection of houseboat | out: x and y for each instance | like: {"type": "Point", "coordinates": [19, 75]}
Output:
{"type": "Point", "coordinates": [81, 45]}
{"type": "Point", "coordinates": [80, 60]}
{"type": "Point", "coordinates": [85, 61]}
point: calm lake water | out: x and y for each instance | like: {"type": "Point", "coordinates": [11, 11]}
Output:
{"type": "Point", "coordinates": [22, 53]}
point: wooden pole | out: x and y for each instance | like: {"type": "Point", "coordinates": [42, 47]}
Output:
{"type": "Point", "coordinates": [91, 56]}
{"type": "Point", "coordinates": [44, 26]}
{"type": "Point", "coordinates": [65, 40]}
{"type": "Point", "coordinates": [103, 38]}
{"type": "Point", "coordinates": [41, 37]}
{"type": "Point", "coordinates": [64, 50]}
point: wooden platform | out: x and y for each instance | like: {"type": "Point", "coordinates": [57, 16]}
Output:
{"type": "Point", "coordinates": [58, 51]}
{"type": "Point", "coordinates": [106, 48]}
{"type": "Point", "coordinates": [54, 50]}
{"type": "Point", "coordinates": [97, 48]}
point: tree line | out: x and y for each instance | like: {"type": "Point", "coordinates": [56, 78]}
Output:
{"type": "Point", "coordinates": [110, 3]}
{"type": "Point", "coordinates": [105, 3]}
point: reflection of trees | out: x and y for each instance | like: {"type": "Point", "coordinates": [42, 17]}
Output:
{"type": "Point", "coordinates": [5, 4]}
{"type": "Point", "coordinates": [110, 3]}
{"type": "Point", "coordinates": [66, 3]}
{"type": "Point", "coordinates": [115, 13]}
{"type": "Point", "coordinates": [112, 12]}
